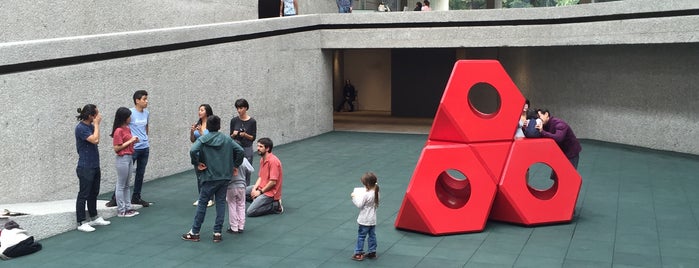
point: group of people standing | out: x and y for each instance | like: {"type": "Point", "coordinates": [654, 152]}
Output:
{"type": "Point", "coordinates": [223, 165]}
{"type": "Point", "coordinates": [223, 168]}
{"type": "Point", "coordinates": [130, 144]}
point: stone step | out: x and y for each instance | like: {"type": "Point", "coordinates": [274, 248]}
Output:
{"type": "Point", "coordinates": [46, 219]}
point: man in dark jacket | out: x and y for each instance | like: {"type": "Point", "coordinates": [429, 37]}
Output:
{"type": "Point", "coordinates": [348, 96]}
{"type": "Point", "coordinates": [560, 131]}
{"type": "Point", "coordinates": [215, 157]}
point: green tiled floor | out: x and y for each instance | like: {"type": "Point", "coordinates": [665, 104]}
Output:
{"type": "Point", "coordinates": [637, 208]}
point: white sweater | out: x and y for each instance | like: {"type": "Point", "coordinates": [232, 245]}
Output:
{"type": "Point", "coordinates": [9, 238]}
{"type": "Point", "coordinates": [367, 208]}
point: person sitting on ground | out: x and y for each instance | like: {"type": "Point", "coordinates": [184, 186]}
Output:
{"type": "Point", "coordinates": [266, 195]}
{"type": "Point", "coordinates": [15, 242]}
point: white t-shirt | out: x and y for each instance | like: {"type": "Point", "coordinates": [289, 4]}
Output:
{"type": "Point", "coordinates": [367, 208]}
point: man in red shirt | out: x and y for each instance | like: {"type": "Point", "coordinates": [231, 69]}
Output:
{"type": "Point", "coordinates": [266, 194]}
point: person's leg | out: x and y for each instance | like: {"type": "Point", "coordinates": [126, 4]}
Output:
{"type": "Point", "coordinates": [140, 158]}
{"type": "Point", "coordinates": [122, 185]}
{"type": "Point", "coordinates": [220, 188]}
{"type": "Point", "coordinates": [372, 239]}
{"type": "Point", "coordinates": [230, 200]}
{"type": "Point", "coordinates": [84, 179]}
{"type": "Point", "coordinates": [249, 155]}
{"type": "Point", "coordinates": [240, 208]}
{"type": "Point", "coordinates": [574, 161]}
{"type": "Point", "coordinates": [94, 191]}
{"type": "Point", "coordinates": [262, 205]}
{"type": "Point", "coordinates": [207, 189]}
{"type": "Point", "coordinates": [361, 236]}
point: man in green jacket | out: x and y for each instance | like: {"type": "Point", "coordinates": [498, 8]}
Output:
{"type": "Point", "coordinates": [215, 157]}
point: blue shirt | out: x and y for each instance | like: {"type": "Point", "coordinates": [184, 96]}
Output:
{"type": "Point", "coordinates": [139, 122]}
{"type": "Point", "coordinates": [88, 154]}
{"type": "Point", "coordinates": [196, 133]}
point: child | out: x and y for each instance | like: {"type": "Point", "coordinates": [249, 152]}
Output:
{"type": "Point", "coordinates": [14, 242]}
{"type": "Point", "coordinates": [123, 147]}
{"type": "Point", "coordinates": [367, 200]}
{"type": "Point", "coordinates": [235, 196]}
{"type": "Point", "coordinates": [533, 120]}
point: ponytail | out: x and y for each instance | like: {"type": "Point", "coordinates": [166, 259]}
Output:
{"type": "Point", "coordinates": [86, 112]}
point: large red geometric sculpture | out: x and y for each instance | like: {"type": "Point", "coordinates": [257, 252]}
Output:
{"type": "Point", "coordinates": [481, 147]}
{"type": "Point", "coordinates": [438, 203]}
{"type": "Point", "coordinates": [517, 202]}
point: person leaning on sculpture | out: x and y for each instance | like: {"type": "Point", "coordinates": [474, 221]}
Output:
{"type": "Point", "coordinates": [348, 96]}
{"type": "Point", "coordinates": [558, 130]}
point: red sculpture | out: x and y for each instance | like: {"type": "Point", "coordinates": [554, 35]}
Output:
{"type": "Point", "coordinates": [481, 147]}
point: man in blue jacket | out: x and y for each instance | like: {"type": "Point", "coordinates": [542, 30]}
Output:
{"type": "Point", "coordinates": [216, 157]}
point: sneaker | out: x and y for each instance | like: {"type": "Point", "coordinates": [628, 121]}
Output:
{"type": "Point", "coordinates": [111, 203]}
{"type": "Point", "coordinates": [85, 227]}
{"type": "Point", "coordinates": [128, 214]}
{"type": "Point", "coordinates": [190, 237]}
{"type": "Point", "coordinates": [371, 255]}
{"type": "Point", "coordinates": [99, 222]}
{"type": "Point", "coordinates": [217, 237]}
{"type": "Point", "coordinates": [141, 202]}
{"type": "Point", "coordinates": [358, 257]}
{"type": "Point", "coordinates": [211, 203]}
{"type": "Point", "coordinates": [230, 231]}
{"type": "Point", "coordinates": [196, 203]}
{"type": "Point", "coordinates": [280, 209]}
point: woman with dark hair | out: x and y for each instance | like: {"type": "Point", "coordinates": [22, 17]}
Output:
{"type": "Point", "coordinates": [418, 6]}
{"type": "Point", "coordinates": [197, 130]}
{"type": "Point", "coordinates": [124, 148]}
{"type": "Point", "coordinates": [87, 136]}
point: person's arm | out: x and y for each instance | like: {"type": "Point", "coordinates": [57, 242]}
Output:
{"type": "Point", "coordinates": [194, 153]}
{"type": "Point", "coordinates": [560, 131]}
{"type": "Point", "coordinates": [281, 8]}
{"type": "Point", "coordinates": [296, 7]}
{"type": "Point", "coordinates": [118, 137]}
{"type": "Point", "coordinates": [238, 154]}
{"type": "Point", "coordinates": [251, 132]}
{"type": "Point", "coordinates": [191, 133]}
{"type": "Point", "coordinates": [95, 137]}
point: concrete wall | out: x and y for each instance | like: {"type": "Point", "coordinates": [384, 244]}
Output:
{"type": "Point", "coordinates": [285, 78]}
{"type": "Point", "coordinates": [29, 19]}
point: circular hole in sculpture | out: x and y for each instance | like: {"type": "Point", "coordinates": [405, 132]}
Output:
{"type": "Point", "coordinates": [453, 189]}
{"type": "Point", "coordinates": [541, 181]}
{"type": "Point", "coordinates": [484, 100]}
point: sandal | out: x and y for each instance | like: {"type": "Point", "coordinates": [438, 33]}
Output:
{"type": "Point", "coordinates": [190, 237]}
{"type": "Point", "coordinates": [217, 238]}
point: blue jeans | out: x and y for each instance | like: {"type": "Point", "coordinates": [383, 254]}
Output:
{"type": "Point", "coordinates": [208, 189]}
{"type": "Point", "coordinates": [361, 235]}
{"type": "Point", "coordinates": [344, 9]}
{"type": "Point", "coordinates": [123, 165]}
{"type": "Point", "coordinates": [262, 205]}
{"type": "Point", "coordinates": [140, 158]}
{"type": "Point", "coordinates": [89, 189]}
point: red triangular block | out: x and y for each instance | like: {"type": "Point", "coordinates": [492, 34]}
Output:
{"type": "Point", "coordinates": [494, 156]}
{"type": "Point", "coordinates": [410, 218]}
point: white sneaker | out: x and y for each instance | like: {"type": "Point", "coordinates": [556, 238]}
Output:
{"type": "Point", "coordinates": [211, 203]}
{"type": "Point", "coordinates": [196, 203]}
{"type": "Point", "coordinates": [85, 227]}
{"type": "Point", "coordinates": [99, 222]}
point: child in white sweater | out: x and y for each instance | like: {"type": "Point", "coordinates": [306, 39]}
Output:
{"type": "Point", "coordinates": [367, 200]}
